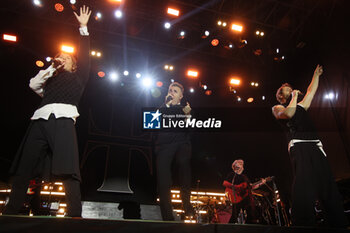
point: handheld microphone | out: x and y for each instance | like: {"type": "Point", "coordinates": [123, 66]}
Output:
{"type": "Point", "coordinates": [56, 63]}
{"type": "Point", "coordinates": [169, 98]}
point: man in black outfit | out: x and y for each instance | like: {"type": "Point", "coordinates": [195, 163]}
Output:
{"type": "Point", "coordinates": [170, 146]}
{"type": "Point", "coordinates": [50, 144]}
{"type": "Point", "coordinates": [313, 179]}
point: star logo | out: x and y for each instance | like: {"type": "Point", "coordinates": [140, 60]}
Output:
{"type": "Point", "coordinates": [156, 115]}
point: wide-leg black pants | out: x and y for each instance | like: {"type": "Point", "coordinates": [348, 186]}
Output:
{"type": "Point", "coordinates": [313, 180]}
{"type": "Point", "coordinates": [55, 138]}
{"type": "Point", "coordinates": [179, 152]}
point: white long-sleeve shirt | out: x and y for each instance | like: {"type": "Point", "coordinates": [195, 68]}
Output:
{"type": "Point", "coordinates": [58, 109]}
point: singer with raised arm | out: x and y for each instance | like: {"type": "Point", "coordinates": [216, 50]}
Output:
{"type": "Point", "coordinates": [313, 179]}
{"type": "Point", "coordinates": [171, 147]}
{"type": "Point", "coordinates": [50, 147]}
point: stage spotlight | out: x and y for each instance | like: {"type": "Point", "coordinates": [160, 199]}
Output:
{"type": "Point", "coordinates": [147, 82]}
{"type": "Point", "coordinates": [224, 24]}
{"type": "Point", "coordinates": [208, 92]}
{"type": "Point", "coordinates": [205, 87]}
{"type": "Point", "coordinates": [277, 50]}
{"type": "Point", "coordinates": [101, 74]}
{"type": "Point", "coordinates": [219, 22]}
{"type": "Point", "coordinates": [172, 80]}
{"type": "Point", "coordinates": [262, 33]}
{"type": "Point", "coordinates": [167, 25]}
{"type": "Point", "coordinates": [113, 76]}
{"type": "Point", "coordinates": [215, 42]}
{"type": "Point", "coordinates": [59, 7]}
{"type": "Point", "coordinates": [191, 90]}
{"type": "Point", "coordinates": [192, 73]}
{"type": "Point", "coordinates": [206, 33]}
{"type": "Point", "coordinates": [166, 67]}
{"type": "Point", "coordinates": [118, 14]}
{"type": "Point", "coordinates": [171, 67]}
{"type": "Point", "coordinates": [239, 98]}
{"type": "Point", "coordinates": [242, 43]}
{"type": "Point", "coordinates": [172, 11]}
{"type": "Point", "coordinates": [230, 46]}
{"type": "Point", "coordinates": [98, 16]}
{"type": "Point", "coordinates": [257, 32]}
{"type": "Point", "coordinates": [263, 97]}
{"type": "Point", "coordinates": [256, 84]}
{"type": "Point", "coordinates": [329, 96]}
{"type": "Point", "coordinates": [159, 84]}
{"type": "Point", "coordinates": [250, 100]}
{"type": "Point", "coordinates": [67, 49]}
{"type": "Point", "coordinates": [182, 34]}
{"type": "Point", "coordinates": [235, 81]}
{"type": "Point", "coordinates": [115, 1]}
{"type": "Point", "coordinates": [138, 75]}
{"type": "Point", "coordinates": [236, 27]}
{"type": "Point", "coordinates": [93, 53]}
{"type": "Point", "coordinates": [282, 57]}
{"type": "Point", "coordinates": [9, 37]}
{"type": "Point", "coordinates": [37, 3]}
{"type": "Point", "coordinates": [98, 54]}
{"type": "Point", "coordinates": [126, 73]}
{"type": "Point", "coordinates": [39, 63]}
{"type": "Point", "coordinates": [48, 59]}
{"type": "Point", "coordinates": [73, 2]}
{"type": "Point", "coordinates": [252, 83]}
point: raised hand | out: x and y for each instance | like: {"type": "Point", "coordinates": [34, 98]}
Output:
{"type": "Point", "coordinates": [187, 109]}
{"type": "Point", "coordinates": [84, 16]}
{"type": "Point", "coordinates": [318, 70]}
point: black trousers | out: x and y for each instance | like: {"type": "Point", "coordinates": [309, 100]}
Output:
{"type": "Point", "coordinates": [313, 180]}
{"type": "Point", "coordinates": [166, 154]}
{"type": "Point", "coordinates": [55, 138]}
{"type": "Point", "coordinates": [246, 205]}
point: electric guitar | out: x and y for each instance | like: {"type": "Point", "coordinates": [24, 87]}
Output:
{"type": "Point", "coordinates": [241, 190]}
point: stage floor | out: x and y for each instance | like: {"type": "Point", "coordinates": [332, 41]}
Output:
{"type": "Point", "coordinates": [70, 225]}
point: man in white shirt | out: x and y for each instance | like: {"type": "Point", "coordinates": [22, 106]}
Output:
{"type": "Point", "coordinates": [50, 144]}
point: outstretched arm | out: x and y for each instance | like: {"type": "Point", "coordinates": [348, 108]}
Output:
{"type": "Point", "coordinates": [84, 16]}
{"type": "Point", "coordinates": [311, 90]}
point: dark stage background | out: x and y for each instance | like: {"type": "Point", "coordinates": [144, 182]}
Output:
{"type": "Point", "coordinates": [111, 141]}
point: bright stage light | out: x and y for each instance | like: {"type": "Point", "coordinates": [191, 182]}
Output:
{"type": "Point", "coordinates": [235, 81]}
{"type": "Point", "coordinates": [159, 84]}
{"type": "Point", "coordinates": [93, 53]}
{"type": "Point", "coordinates": [73, 2]}
{"type": "Point", "coordinates": [239, 98]}
{"type": "Point", "coordinates": [250, 100]}
{"type": "Point", "coordinates": [115, 1]}
{"type": "Point", "coordinates": [182, 33]}
{"type": "Point", "coordinates": [219, 22]}
{"type": "Point", "coordinates": [167, 25]}
{"type": "Point", "coordinates": [138, 75]}
{"type": "Point", "coordinates": [263, 97]}
{"type": "Point", "coordinates": [48, 59]}
{"type": "Point", "coordinates": [166, 67]}
{"type": "Point", "coordinates": [126, 73]}
{"type": "Point", "coordinates": [37, 3]}
{"type": "Point", "coordinates": [236, 27]}
{"type": "Point", "coordinates": [147, 82]}
{"type": "Point", "coordinates": [205, 87]}
{"type": "Point", "coordinates": [98, 54]}
{"type": "Point", "coordinates": [9, 37]}
{"type": "Point", "coordinates": [257, 32]}
{"type": "Point", "coordinates": [262, 33]}
{"type": "Point", "coordinates": [192, 73]}
{"type": "Point", "coordinates": [215, 42]}
{"type": "Point", "coordinates": [172, 11]}
{"type": "Point", "coordinates": [277, 50]}
{"type": "Point", "coordinates": [39, 63]}
{"type": "Point", "coordinates": [118, 14]}
{"type": "Point", "coordinates": [230, 46]}
{"type": "Point", "coordinates": [224, 24]}
{"type": "Point", "coordinates": [67, 49]}
{"type": "Point", "coordinates": [208, 92]}
{"type": "Point", "coordinates": [113, 76]}
{"type": "Point", "coordinates": [59, 7]}
{"type": "Point", "coordinates": [329, 96]}
{"type": "Point", "coordinates": [191, 90]}
{"type": "Point", "coordinates": [172, 80]}
{"type": "Point", "coordinates": [98, 16]}
{"type": "Point", "coordinates": [101, 74]}
{"type": "Point", "coordinates": [171, 67]}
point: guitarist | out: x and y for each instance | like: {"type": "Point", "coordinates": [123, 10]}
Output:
{"type": "Point", "coordinates": [239, 191]}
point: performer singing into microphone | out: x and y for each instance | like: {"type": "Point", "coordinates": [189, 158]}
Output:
{"type": "Point", "coordinates": [312, 175]}
{"type": "Point", "coordinates": [239, 192]}
{"type": "Point", "coordinates": [50, 142]}
{"type": "Point", "coordinates": [173, 146]}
